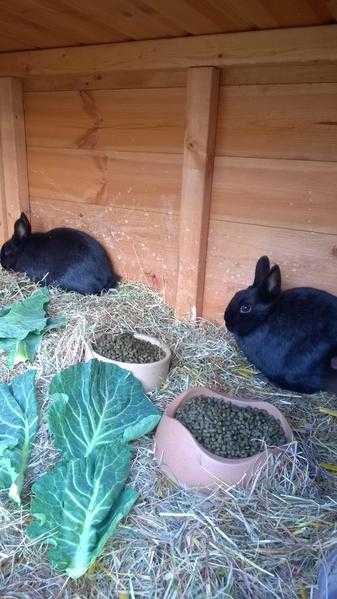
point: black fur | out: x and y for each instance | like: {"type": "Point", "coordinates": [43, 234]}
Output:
{"type": "Point", "coordinates": [64, 257]}
{"type": "Point", "coordinates": [291, 336]}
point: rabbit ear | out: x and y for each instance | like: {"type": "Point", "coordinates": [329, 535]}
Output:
{"type": "Point", "coordinates": [22, 228]}
{"type": "Point", "coordinates": [271, 286]}
{"type": "Point", "coordinates": [262, 270]}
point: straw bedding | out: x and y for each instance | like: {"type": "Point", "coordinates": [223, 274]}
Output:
{"type": "Point", "coordinates": [259, 544]}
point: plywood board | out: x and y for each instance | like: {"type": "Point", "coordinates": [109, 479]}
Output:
{"type": "Point", "coordinates": [306, 259]}
{"type": "Point", "coordinates": [143, 181]}
{"type": "Point", "coordinates": [284, 193]}
{"type": "Point", "coordinates": [149, 120]}
{"type": "Point", "coordinates": [142, 245]}
{"type": "Point", "coordinates": [278, 121]}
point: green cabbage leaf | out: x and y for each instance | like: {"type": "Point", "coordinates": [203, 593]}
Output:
{"type": "Point", "coordinates": [93, 404]}
{"type": "Point", "coordinates": [23, 325]}
{"type": "Point", "coordinates": [78, 505]}
{"type": "Point", "coordinates": [18, 425]}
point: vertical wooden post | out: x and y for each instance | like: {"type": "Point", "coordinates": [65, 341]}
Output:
{"type": "Point", "coordinates": [201, 121]}
{"type": "Point", "coordinates": [13, 160]}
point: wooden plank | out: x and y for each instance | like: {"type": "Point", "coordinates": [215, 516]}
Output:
{"type": "Point", "coordinates": [132, 18]}
{"type": "Point", "coordinates": [114, 80]}
{"type": "Point", "coordinates": [231, 75]}
{"type": "Point", "coordinates": [149, 120]}
{"type": "Point", "coordinates": [284, 46]}
{"type": "Point", "coordinates": [277, 74]}
{"type": "Point", "coordinates": [196, 17]}
{"type": "Point", "coordinates": [278, 121]}
{"type": "Point", "coordinates": [129, 179]}
{"type": "Point", "coordinates": [46, 24]}
{"type": "Point", "coordinates": [201, 118]}
{"type": "Point", "coordinates": [142, 245]}
{"type": "Point", "coordinates": [287, 193]}
{"type": "Point", "coordinates": [13, 162]}
{"type": "Point", "coordinates": [306, 259]}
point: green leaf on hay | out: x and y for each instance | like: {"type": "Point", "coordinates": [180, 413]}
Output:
{"type": "Point", "coordinates": [23, 325]}
{"type": "Point", "coordinates": [18, 425]}
{"type": "Point", "coordinates": [93, 404]}
{"type": "Point", "coordinates": [78, 505]}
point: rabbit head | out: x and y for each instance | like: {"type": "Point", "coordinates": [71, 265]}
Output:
{"type": "Point", "coordinates": [250, 307]}
{"type": "Point", "coordinates": [14, 246]}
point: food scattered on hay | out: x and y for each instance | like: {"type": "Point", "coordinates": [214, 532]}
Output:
{"type": "Point", "coordinates": [128, 348]}
{"type": "Point", "coordinates": [259, 544]}
{"type": "Point", "coordinates": [229, 431]}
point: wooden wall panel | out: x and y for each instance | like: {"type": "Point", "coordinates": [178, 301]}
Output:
{"type": "Point", "coordinates": [231, 75]}
{"type": "Point", "coordinates": [284, 46]}
{"type": "Point", "coordinates": [285, 193]}
{"type": "Point", "coordinates": [150, 120]}
{"type": "Point", "coordinates": [113, 81]}
{"type": "Point", "coordinates": [127, 179]}
{"type": "Point", "coordinates": [143, 245]}
{"type": "Point", "coordinates": [278, 121]}
{"type": "Point", "coordinates": [305, 258]}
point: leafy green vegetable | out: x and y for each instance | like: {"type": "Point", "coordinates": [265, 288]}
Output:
{"type": "Point", "coordinates": [23, 325]}
{"type": "Point", "coordinates": [78, 505]}
{"type": "Point", "coordinates": [95, 403]}
{"type": "Point", "coordinates": [18, 425]}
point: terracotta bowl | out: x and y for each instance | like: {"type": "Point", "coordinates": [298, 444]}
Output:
{"type": "Point", "coordinates": [151, 375]}
{"type": "Point", "coordinates": [188, 464]}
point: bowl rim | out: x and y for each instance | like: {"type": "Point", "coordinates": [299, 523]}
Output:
{"type": "Point", "coordinates": [149, 338]}
{"type": "Point", "coordinates": [230, 461]}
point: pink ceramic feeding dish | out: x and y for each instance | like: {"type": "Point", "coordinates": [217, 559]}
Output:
{"type": "Point", "coordinates": [188, 464]}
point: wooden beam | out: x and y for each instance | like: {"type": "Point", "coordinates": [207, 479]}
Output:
{"type": "Point", "coordinates": [282, 46]}
{"type": "Point", "coordinates": [13, 160]}
{"type": "Point", "coordinates": [201, 119]}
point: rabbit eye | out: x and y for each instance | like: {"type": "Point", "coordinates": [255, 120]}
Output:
{"type": "Point", "coordinates": [245, 308]}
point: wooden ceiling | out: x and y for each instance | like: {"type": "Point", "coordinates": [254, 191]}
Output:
{"type": "Point", "coordinates": [36, 24]}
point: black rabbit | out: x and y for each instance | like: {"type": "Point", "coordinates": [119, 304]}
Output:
{"type": "Point", "coordinates": [291, 336]}
{"type": "Point", "coordinates": [64, 257]}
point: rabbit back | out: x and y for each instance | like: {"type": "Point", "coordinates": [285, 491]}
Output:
{"type": "Point", "coordinates": [67, 258]}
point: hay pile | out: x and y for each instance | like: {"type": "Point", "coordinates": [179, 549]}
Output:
{"type": "Point", "coordinates": [175, 544]}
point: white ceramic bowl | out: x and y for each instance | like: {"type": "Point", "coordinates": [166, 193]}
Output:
{"type": "Point", "coordinates": [151, 375]}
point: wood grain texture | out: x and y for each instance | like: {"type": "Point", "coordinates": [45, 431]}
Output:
{"type": "Point", "coordinates": [231, 75]}
{"type": "Point", "coordinates": [201, 120]}
{"type": "Point", "coordinates": [143, 245]}
{"type": "Point", "coordinates": [282, 46]}
{"type": "Point", "coordinates": [35, 24]}
{"type": "Point", "coordinates": [284, 193]}
{"type": "Point", "coordinates": [128, 179]}
{"type": "Point", "coordinates": [278, 121]}
{"type": "Point", "coordinates": [149, 120]}
{"type": "Point", "coordinates": [306, 259]}
{"type": "Point", "coordinates": [115, 80]}
{"type": "Point", "coordinates": [13, 161]}
{"type": "Point", "coordinates": [277, 74]}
